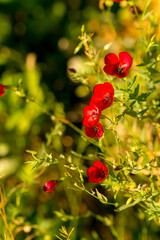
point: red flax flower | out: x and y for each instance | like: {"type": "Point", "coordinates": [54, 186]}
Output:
{"type": "Point", "coordinates": [117, 0]}
{"type": "Point", "coordinates": [118, 67]}
{"type": "Point", "coordinates": [91, 116]}
{"type": "Point", "coordinates": [96, 131]}
{"type": "Point", "coordinates": [103, 95]}
{"type": "Point", "coordinates": [50, 186]}
{"type": "Point", "coordinates": [133, 11]}
{"type": "Point", "coordinates": [2, 89]}
{"type": "Point", "coordinates": [98, 173]}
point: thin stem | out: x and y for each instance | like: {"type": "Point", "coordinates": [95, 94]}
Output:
{"type": "Point", "coordinates": [3, 214]}
{"type": "Point", "coordinates": [113, 204]}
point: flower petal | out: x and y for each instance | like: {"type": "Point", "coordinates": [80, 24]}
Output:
{"type": "Point", "coordinates": [98, 164]}
{"type": "Point", "coordinates": [98, 173]}
{"type": "Point", "coordinates": [111, 60]}
{"type": "Point", "coordinates": [101, 89]}
{"type": "Point", "coordinates": [125, 61]}
{"type": "Point", "coordinates": [2, 89]}
{"type": "Point", "coordinates": [91, 172]}
{"type": "Point", "coordinates": [103, 95]}
{"type": "Point", "coordinates": [50, 186]}
{"type": "Point", "coordinates": [91, 116]}
{"type": "Point", "coordinates": [96, 131]}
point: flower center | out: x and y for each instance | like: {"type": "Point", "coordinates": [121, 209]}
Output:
{"type": "Point", "coordinates": [95, 129]}
{"type": "Point", "coordinates": [101, 173]}
{"type": "Point", "coordinates": [107, 97]}
{"type": "Point", "coordinates": [120, 70]}
{"type": "Point", "coordinates": [95, 114]}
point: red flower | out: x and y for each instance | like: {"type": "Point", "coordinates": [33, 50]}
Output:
{"type": "Point", "coordinates": [117, 0]}
{"type": "Point", "coordinates": [91, 116]}
{"type": "Point", "coordinates": [132, 10]}
{"type": "Point", "coordinates": [118, 67]}
{"type": "Point", "coordinates": [2, 89]}
{"type": "Point", "coordinates": [96, 131]}
{"type": "Point", "coordinates": [72, 70]}
{"type": "Point", "coordinates": [103, 95]}
{"type": "Point", "coordinates": [98, 173]}
{"type": "Point", "coordinates": [50, 186]}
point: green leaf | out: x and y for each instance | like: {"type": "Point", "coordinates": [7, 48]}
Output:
{"type": "Point", "coordinates": [142, 64]}
{"type": "Point", "coordinates": [123, 207]}
{"type": "Point", "coordinates": [157, 81]}
{"type": "Point", "coordinates": [30, 151]}
{"type": "Point", "coordinates": [135, 94]}
{"type": "Point", "coordinates": [140, 114]}
{"type": "Point", "coordinates": [132, 83]}
{"type": "Point", "coordinates": [101, 197]}
{"type": "Point", "coordinates": [77, 49]}
{"type": "Point", "coordinates": [132, 103]}
{"type": "Point", "coordinates": [147, 15]}
{"type": "Point", "coordinates": [152, 70]}
{"type": "Point", "coordinates": [153, 37]}
{"type": "Point", "coordinates": [131, 113]}
{"type": "Point", "coordinates": [143, 97]}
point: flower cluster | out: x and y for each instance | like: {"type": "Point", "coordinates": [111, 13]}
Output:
{"type": "Point", "coordinates": [103, 96]}
{"type": "Point", "coordinates": [96, 174]}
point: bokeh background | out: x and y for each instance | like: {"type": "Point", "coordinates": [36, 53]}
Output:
{"type": "Point", "coordinates": [37, 41]}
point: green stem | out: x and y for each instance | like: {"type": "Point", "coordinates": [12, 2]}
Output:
{"type": "Point", "coordinates": [113, 204]}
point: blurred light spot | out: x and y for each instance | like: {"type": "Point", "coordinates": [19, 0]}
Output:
{"type": "Point", "coordinates": [123, 4]}
{"type": "Point", "coordinates": [27, 229]}
{"type": "Point", "coordinates": [67, 141]}
{"type": "Point", "coordinates": [82, 91]}
{"type": "Point", "coordinates": [20, 29]}
{"type": "Point", "coordinates": [74, 15]}
{"type": "Point", "coordinates": [77, 63]}
{"type": "Point", "coordinates": [5, 53]}
{"type": "Point", "coordinates": [83, 208]}
{"type": "Point", "coordinates": [5, 1]}
{"type": "Point", "coordinates": [47, 237]}
{"type": "Point", "coordinates": [38, 12]}
{"type": "Point", "coordinates": [125, 18]}
{"type": "Point", "coordinates": [107, 46]}
{"type": "Point", "coordinates": [58, 85]}
{"type": "Point", "coordinates": [129, 42]}
{"type": "Point", "coordinates": [4, 149]}
{"type": "Point", "coordinates": [93, 25]}
{"type": "Point", "coordinates": [5, 28]}
{"type": "Point", "coordinates": [109, 3]}
{"type": "Point", "coordinates": [73, 29]}
{"type": "Point", "coordinates": [74, 4]}
{"type": "Point", "coordinates": [26, 174]}
{"type": "Point", "coordinates": [73, 116]}
{"type": "Point", "coordinates": [107, 33]}
{"type": "Point", "coordinates": [59, 9]}
{"type": "Point", "coordinates": [7, 166]}
{"type": "Point", "coordinates": [91, 79]}
{"type": "Point", "coordinates": [98, 42]}
{"type": "Point", "coordinates": [31, 61]}
{"type": "Point", "coordinates": [20, 16]}
{"type": "Point", "coordinates": [63, 44]}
